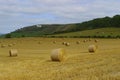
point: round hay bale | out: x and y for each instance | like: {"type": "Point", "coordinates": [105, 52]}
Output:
{"type": "Point", "coordinates": [78, 42]}
{"type": "Point", "coordinates": [54, 42]}
{"type": "Point", "coordinates": [67, 44]}
{"type": "Point", "coordinates": [3, 46]}
{"type": "Point", "coordinates": [96, 40]}
{"type": "Point", "coordinates": [92, 48]}
{"type": "Point", "coordinates": [13, 43]}
{"type": "Point", "coordinates": [58, 55]}
{"type": "Point", "coordinates": [10, 45]}
{"type": "Point", "coordinates": [13, 52]}
{"type": "Point", "coordinates": [84, 41]}
{"type": "Point", "coordinates": [64, 43]}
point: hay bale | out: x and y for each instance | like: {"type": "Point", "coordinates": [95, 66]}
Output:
{"type": "Point", "coordinates": [13, 43]}
{"type": "Point", "coordinates": [13, 52]}
{"type": "Point", "coordinates": [54, 42]}
{"type": "Point", "coordinates": [10, 45]}
{"type": "Point", "coordinates": [64, 43]}
{"type": "Point", "coordinates": [67, 44]}
{"type": "Point", "coordinates": [96, 40]}
{"type": "Point", "coordinates": [78, 42]}
{"type": "Point", "coordinates": [3, 46]}
{"type": "Point", "coordinates": [58, 55]}
{"type": "Point", "coordinates": [92, 48]}
{"type": "Point", "coordinates": [84, 41]}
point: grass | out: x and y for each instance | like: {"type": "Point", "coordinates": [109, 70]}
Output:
{"type": "Point", "coordinates": [102, 32]}
{"type": "Point", "coordinates": [113, 32]}
{"type": "Point", "coordinates": [34, 63]}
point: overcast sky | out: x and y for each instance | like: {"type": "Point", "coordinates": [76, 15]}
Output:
{"type": "Point", "coordinates": [15, 14]}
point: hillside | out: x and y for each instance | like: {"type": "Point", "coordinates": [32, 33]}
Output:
{"type": "Point", "coordinates": [48, 29]}
{"type": "Point", "coordinates": [100, 33]}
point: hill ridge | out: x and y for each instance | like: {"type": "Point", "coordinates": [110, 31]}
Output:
{"type": "Point", "coordinates": [49, 29]}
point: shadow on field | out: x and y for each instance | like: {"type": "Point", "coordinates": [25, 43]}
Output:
{"type": "Point", "coordinates": [49, 61]}
{"type": "Point", "coordinates": [84, 52]}
{"type": "Point", "coordinates": [52, 61]}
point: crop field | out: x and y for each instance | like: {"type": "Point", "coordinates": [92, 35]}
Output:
{"type": "Point", "coordinates": [34, 63]}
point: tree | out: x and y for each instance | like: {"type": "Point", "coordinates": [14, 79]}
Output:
{"type": "Point", "coordinates": [8, 36]}
{"type": "Point", "coordinates": [116, 21]}
{"type": "Point", "coordinates": [23, 35]}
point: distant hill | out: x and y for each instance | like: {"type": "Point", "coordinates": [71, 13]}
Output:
{"type": "Point", "coordinates": [49, 29]}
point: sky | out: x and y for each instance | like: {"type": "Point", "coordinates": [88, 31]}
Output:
{"type": "Point", "coordinates": [15, 14]}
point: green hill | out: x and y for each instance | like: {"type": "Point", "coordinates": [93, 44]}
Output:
{"type": "Point", "coordinates": [100, 33]}
{"type": "Point", "coordinates": [51, 29]}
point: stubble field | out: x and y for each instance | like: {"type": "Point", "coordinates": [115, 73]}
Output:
{"type": "Point", "coordinates": [33, 61]}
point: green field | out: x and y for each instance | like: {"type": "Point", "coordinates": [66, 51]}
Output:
{"type": "Point", "coordinates": [33, 61]}
{"type": "Point", "coordinates": [94, 33]}
{"type": "Point", "coordinates": [103, 32]}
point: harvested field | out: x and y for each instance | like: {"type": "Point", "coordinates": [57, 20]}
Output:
{"type": "Point", "coordinates": [34, 62]}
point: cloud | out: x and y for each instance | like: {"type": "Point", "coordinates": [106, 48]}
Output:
{"type": "Point", "coordinates": [19, 13]}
